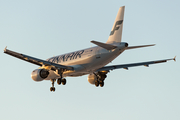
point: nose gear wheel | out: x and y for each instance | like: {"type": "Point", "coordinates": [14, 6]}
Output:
{"type": "Point", "coordinates": [52, 89]}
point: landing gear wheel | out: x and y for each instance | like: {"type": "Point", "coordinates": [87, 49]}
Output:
{"type": "Point", "coordinates": [52, 89]}
{"type": "Point", "coordinates": [101, 83]}
{"type": "Point", "coordinates": [63, 81]}
{"type": "Point", "coordinates": [96, 83]}
{"type": "Point", "coordinates": [59, 81]}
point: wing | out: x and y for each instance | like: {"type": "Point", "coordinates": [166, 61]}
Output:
{"type": "Point", "coordinates": [36, 61]}
{"type": "Point", "coordinates": [126, 66]}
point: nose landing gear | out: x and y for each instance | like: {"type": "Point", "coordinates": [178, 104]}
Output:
{"type": "Point", "coordinates": [52, 88]}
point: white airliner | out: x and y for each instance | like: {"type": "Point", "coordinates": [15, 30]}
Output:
{"type": "Point", "coordinates": [90, 61]}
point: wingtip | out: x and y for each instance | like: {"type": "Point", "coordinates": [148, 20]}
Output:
{"type": "Point", "coordinates": [92, 41]}
{"type": "Point", "coordinates": [174, 58]}
{"type": "Point", "coordinates": [152, 45]}
{"type": "Point", "coordinates": [5, 49]}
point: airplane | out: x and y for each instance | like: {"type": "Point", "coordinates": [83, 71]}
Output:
{"type": "Point", "coordinates": [91, 61]}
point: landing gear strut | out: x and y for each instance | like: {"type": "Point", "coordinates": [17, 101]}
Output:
{"type": "Point", "coordinates": [100, 79]}
{"type": "Point", "coordinates": [52, 88]}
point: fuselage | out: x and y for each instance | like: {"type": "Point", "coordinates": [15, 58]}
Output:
{"type": "Point", "coordinates": [86, 61]}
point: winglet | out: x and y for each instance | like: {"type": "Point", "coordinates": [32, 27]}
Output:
{"type": "Point", "coordinates": [174, 58]}
{"type": "Point", "coordinates": [5, 49]}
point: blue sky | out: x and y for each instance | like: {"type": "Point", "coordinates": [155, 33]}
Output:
{"type": "Point", "coordinates": [43, 28]}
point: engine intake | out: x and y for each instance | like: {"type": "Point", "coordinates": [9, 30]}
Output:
{"type": "Point", "coordinates": [92, 78]}
{"type": "Point", "coordinates": [99, 76]}
{"type": "Point", "coordinates": [39, 74]}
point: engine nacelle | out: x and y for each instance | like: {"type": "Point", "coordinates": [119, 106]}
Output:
{"type": "Point", "coordinates": [99, 76]}
{"type": "Point", "coordinates": [92, 78]}
{"type": "Point", "coordinates": [39, 74]}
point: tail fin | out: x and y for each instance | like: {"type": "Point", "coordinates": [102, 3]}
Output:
{"type": "Point", "coordinates": [116, 32]}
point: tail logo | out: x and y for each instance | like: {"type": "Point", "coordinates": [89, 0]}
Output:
{"type": "Point", "coordinates": [116, 27]}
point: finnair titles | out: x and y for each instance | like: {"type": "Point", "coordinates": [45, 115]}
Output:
{"type": "Point", "coordinates": [66, 57]}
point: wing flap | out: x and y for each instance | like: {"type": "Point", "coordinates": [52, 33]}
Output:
{"type": "Point", "coordinates": [35, 61]}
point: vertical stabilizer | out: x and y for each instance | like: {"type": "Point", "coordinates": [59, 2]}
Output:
{"type": "Point", "coordinates": [116, 32]}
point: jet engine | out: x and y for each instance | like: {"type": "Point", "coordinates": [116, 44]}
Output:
{"type": "Point", "coordinates": [39, 74]}
{"type": "Point", "coordinates": [92, 78]}
{"type": "Point", "coordinates": [99, 76]}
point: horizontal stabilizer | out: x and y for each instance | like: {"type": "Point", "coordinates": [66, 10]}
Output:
{"type": "Point", "coordinates": [104, 45]}
{"type": "Point", "coordinates": [133, 47]}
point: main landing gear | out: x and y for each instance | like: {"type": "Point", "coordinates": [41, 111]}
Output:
{"type": "Point", "coordinates": [100, 79]}
{"type": "Point", "coordinates": [59, 81]}
{"type": "Point", "coordinates": [99, 83]}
